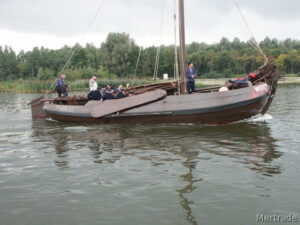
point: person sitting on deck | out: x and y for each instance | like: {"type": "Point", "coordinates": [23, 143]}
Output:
{"type": "Point", "coordinates": [61, 87]}
{"type": "Point", "coordinates": [239, 81]}
{"type": "Point", "coordinates": [108, 93]}
{"type": "Point", "coordinates": [94, 90]}
{"type": "Point", "coordinates": [190, 78]}
{"type": "Point", "coordinates": [119, 92]}
{"type": "Point", "coordinates": [95, 95]}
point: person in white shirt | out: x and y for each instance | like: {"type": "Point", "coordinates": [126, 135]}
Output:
{"type": "Point", "coordinates": [93, 83]}
{"type": "Point", "coordinates": [94, 89]}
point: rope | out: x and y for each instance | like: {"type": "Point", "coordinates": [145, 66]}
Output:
{"type": "Point", "coordinates": [252, 41]}
{"type": "Point", "coordinates": [158, 48]}
{"type": "Point", "coordinates": [156, 64]}
{"type": "Point", "coordinates": [137, 63]}
{"type": "Point", "coordinates": [140, 50]}
{"type": "Point", "coordinates": [76, 46]}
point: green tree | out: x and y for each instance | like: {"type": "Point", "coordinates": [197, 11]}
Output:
{"type": "Point", "coordinates": [293, 60]}
{"type": "Point", "coordinates": [117, 54]}
{"type": "Point", "coordinates": [8, 64]}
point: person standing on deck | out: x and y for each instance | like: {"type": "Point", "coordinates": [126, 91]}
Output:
{"type": "Point", "coordinates": [190, 78]}
{"type": "Point", "coordinates": [94, 90]}
{"type": "Point", "coordinates": [93, 83]}
{"type": "Point", "coordinates": [61, 87]}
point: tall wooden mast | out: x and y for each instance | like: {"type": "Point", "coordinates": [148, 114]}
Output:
{"type": "Point", "coordinates": [182, 46]}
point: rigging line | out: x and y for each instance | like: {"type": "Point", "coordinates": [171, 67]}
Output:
{"type": "Point", "coordinates": [140, 49]}
{"type": "Point", "coordinates": [253, 40]}
{"type": "Point", "coordinates": [77, 46]}
{"type": "Point", "coordinates": [158, 48]}
{"type": "Point", "coordinates": [156, 64]}
{"type": "Point", "coordinates": [137, 63]}
{"type": "Point", "coordinates": [252, 43]}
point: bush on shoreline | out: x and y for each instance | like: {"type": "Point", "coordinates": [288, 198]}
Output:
{"type": "Point", "coordinates": [35, 86]}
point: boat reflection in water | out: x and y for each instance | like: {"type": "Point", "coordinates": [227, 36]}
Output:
{"type": "Point", "coordinates": [245, 145]}
{"type": "Point", "coordinates": [251, 144]}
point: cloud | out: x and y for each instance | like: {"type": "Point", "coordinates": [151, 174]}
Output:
{"type": "Point", "coordinates": [54, 23]}
{"type": "Point", "coordinates": [71, 17]}
{"type": "Point", "coordinates": [274, 10]}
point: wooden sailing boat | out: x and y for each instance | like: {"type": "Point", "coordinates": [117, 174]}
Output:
{"type": "Point", "coordinates": [162, 103]}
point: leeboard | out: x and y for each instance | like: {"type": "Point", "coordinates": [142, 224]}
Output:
{"type": "Point", "coordinates": [116, 105]}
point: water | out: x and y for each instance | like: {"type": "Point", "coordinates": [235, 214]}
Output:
{"type": "Point", "coordinates": [58, 173]}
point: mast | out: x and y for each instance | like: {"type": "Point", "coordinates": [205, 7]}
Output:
{"type": "Point", "coordinates": [182, 45]}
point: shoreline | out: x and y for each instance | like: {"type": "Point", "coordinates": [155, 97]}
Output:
{"type": "Point", "coordinates": [221, 81]}
{"type": "Point", "coordinates": [36, 86]}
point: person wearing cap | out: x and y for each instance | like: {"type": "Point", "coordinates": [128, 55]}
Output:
{"type": "Point", "coordinates": [190, 73]}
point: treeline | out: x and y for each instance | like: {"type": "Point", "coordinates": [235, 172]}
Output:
{"type": "Point", "coordinates": [117, 56]}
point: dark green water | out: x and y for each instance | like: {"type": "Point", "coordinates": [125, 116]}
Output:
{"type": "Point", "coordinates": [56, 173]}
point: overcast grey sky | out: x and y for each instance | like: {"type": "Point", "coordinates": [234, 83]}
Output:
{"type": "Point", "coordinates": [54, 23]}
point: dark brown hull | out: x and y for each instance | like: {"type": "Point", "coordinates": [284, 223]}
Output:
{"type": "Point", "coordinates": [218, 117]}
{"type": "Point", "coordinates": [199, 108]}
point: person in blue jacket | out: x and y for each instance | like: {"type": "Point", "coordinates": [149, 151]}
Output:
{"type": "Point", "coordinates": [108, 93]}
{"type": "Point", "coordinates": [190, 73]}
{"type": "Point", "coordinates": [61, 87]}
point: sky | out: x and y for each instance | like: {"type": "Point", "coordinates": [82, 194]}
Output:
{"type": "Point", "coordinates": [25, 24]}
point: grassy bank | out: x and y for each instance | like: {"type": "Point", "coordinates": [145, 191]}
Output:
{"type": "Point", "coordinates": [31, 86]}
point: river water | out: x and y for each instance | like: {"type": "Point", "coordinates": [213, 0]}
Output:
{"type": "Point", "coordinates": [60, 173]}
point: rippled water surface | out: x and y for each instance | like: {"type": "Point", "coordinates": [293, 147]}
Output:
{"type": "Point", "coordinates": [60, 173]}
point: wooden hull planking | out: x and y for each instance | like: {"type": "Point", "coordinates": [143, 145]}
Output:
{"type": "Point", "coordinates": [218, 117]}
{"type": "Point", "coordinates": [198, 108]}
{"type": "Point", "coordinates": [37, 111]}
